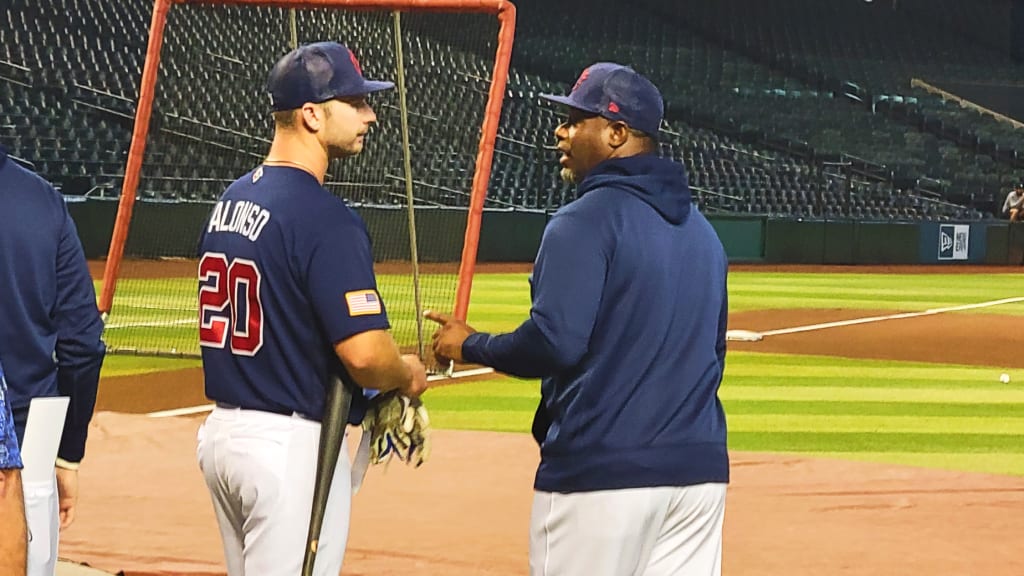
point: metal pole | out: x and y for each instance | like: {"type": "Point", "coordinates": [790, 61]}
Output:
{"type": "Point", "coordinates": [294, 28]}
{"type": "Point", "coordinates": [407, 157]}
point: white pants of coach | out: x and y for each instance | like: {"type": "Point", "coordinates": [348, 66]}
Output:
{"type": "Point", "coordinates": [664, 531]}
{"type": "Point", "coordinates": [261, 469]}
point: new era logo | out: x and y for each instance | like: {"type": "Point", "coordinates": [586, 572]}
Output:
{"type": "Point", "coordinates": [362, 302]}
{"type": "Point", "coordinates": [954, 241]}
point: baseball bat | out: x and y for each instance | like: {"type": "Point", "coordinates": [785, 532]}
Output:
{"type": "Point", "coordinates": [332, 431]}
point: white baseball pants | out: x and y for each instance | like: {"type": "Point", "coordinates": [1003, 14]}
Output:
{"type": "Point", "coordinates": [261, 470]}
{"type": "Point", "coordinates": [663, 531]}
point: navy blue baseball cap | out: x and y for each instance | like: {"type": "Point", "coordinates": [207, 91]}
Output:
{"type": "Point", "coordinates": [317, 73]}
{"type": "Point", "coordinates": [616, 92]}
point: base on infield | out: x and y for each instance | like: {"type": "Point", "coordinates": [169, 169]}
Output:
{"type": "Point", "coordinates": [744, 335]}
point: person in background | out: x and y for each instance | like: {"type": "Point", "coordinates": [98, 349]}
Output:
{"type": "Point", "coordinates": [1013, 206]}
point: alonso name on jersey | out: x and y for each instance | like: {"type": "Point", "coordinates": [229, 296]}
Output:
{"type": "Point", "coordinates": [242, 216]}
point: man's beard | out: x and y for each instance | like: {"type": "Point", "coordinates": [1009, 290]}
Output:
{"type": "Point", "coordinates": [569, 176]}
{"type": "Point", "coordinates": [335, 151]}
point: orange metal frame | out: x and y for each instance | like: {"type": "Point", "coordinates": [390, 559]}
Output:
{"type": "Point", "coordinates": [506, 14]}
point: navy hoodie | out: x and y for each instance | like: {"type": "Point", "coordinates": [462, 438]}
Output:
{"type": "Point", "coordinates": [627, 331]}
{"type": "Point", "coordinates": [50, 327]}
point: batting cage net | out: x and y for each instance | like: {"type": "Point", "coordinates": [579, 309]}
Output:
{"type": "Point", "coordinates": [203, 119]}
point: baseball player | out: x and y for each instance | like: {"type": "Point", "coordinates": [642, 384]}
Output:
{"type": "Point", "coordinates": [288, 298]}
{"type": "Point", "coordinates": [13, 537]}
{"type": "Point", "coordinates": [50, 339]}
{"type": "Point", "coordinates": [627, 329]}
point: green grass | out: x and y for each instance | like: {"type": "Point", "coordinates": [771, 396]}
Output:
{"type": "Point", "coordinates": [904, 292]}
{"type": "Point", "coordinates": [160, 314]}
{"type": "Point", "coordinates": [900, 412]}
{"type": "Point", "coordinates": [946, 416]}
{"type": "Point", "coordinates": [127, 365]}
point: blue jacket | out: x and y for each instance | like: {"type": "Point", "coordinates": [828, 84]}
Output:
{"type": "Point", "coordinates": [50, 327]}
{"type": "Point", "coordinates": [627, 330]}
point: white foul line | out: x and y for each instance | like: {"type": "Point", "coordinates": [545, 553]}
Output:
{"type": "Point", "coordinates": [462, 374]}
{"type": "Point", "coordinates": [181, 411]}
{"type": "Point", "coordinates": [208, 407]}
{"type": "Point", "coordinates": [891, 317]}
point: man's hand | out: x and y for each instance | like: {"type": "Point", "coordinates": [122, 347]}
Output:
{"type": "Point", "coordinates": [449, 337]}
{"type": "Point", "coordinates": [67, 493]}
{"type": "Point", "coordinates": [419, 376]}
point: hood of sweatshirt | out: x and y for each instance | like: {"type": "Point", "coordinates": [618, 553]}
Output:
{"type": "Point", "coordinates": [659, 182]}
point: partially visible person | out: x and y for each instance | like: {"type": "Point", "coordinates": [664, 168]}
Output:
{"type": "Point", "coordinates": [627, 330]}
{"type": "Point", "coordinates": [50, 337]}
{"type": "Point", "coordinates": [288, 301]}
{"type": "Point", "coordinates": [13, 535]}
{"type": "Point", "coordinates": [1013, 206]}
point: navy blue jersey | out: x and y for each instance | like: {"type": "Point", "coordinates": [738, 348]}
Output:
{"type": "Point", "coordinates": [285, 272]}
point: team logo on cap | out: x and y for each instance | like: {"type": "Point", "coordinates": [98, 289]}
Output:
{"type": "Point", "coordinates": [355, 62]}
{"type": "Point", "coordinates": [583, 76]}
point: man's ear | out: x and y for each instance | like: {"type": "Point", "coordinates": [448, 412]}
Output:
{"type": "Point", "coordinates": [618, 134]}
{"type": "Point", "coordinates": [312, 116]}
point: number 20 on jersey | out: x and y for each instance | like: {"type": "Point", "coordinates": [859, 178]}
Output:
{"type": "Point", "coordinates": [230, 311]}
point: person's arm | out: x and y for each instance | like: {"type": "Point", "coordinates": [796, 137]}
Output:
{"type": "Point", "coordinates": [372, 359]}
{"type": "Point", "coordinates": [13, 533]}
{"type": "Point", "coordinates": [80, 350]}
{"type": "Point", "coordinates": [343, 290]}
{"type": "Point", "coordinates": [568, 284]}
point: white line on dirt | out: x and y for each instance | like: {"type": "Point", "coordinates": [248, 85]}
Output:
{"type": "Point", "coordinates": [181, 411]}
{"type": "Point", "coordinates": [208, 407]}
{"type": "Point", "coordinates": [854, 321]}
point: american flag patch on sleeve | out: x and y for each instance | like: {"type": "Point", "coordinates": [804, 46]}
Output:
{"type": "Point", "coordinates": [362, 302]}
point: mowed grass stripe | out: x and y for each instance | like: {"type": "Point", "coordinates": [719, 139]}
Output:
{"type": "Point", "coordinates": [844, 394]}
{"type": "Point", "coordinates": [796, 370]}
{"type": "Point", "coordinates": [945, 285]}
{"type": "Point", "coordinates": [518, 422]}
{"type": "Point", "coordinates": [496, 389]}
{"type": "Point", "coordinates": [774, 423]}
{"type": "Point", "coordinates": [127, 365]}
{"type": "Point", "coordinates": [772, 416]}
{"type": "Point", "coordinates": [875, 409]}
{"type": "Point", "coordinates": [983, 383]}
{"type": "Point", "coordinates": [833, 442]}
{"type": "Point", "coordinates": [904, 292]}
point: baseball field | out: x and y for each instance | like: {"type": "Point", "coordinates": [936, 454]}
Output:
{"type": "Point", "coordinates": [870, 431]}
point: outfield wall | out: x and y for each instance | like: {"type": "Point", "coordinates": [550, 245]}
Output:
{"type": "Point", "coordinates": [172, 230]}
